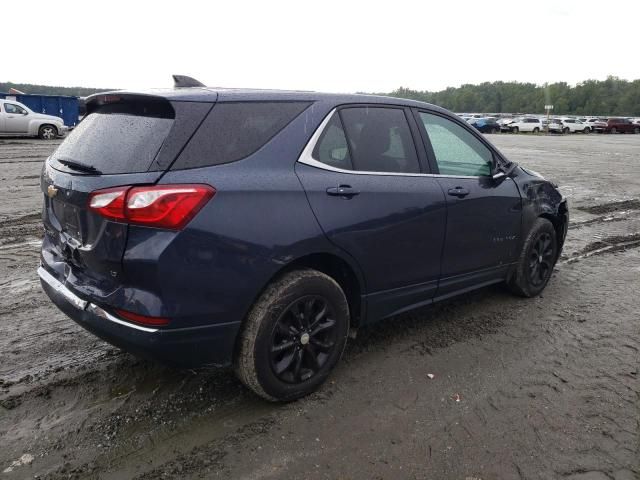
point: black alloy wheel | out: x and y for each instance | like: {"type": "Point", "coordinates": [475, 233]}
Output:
{"type": "Point", "coordinates": [537, 259]}
{"type": "Point", "coordinates": [293, 336]}
{"type": "Point", "coordinates": [303, 339]}
{"type": "Point", "coordinates": [541, 260]}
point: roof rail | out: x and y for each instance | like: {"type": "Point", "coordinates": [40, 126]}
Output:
{"type": "Point", "coordinates": [181, 81]}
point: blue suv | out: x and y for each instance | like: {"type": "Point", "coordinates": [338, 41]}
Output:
{"type": "Point", "coordinates": [255, 228]}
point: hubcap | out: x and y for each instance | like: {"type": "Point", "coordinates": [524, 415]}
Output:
{"type": "Point", "coordinates": [541, 260]}
{"type": "Point", "coordinates": [303, 339]}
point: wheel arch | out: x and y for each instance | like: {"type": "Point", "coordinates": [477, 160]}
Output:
{"type": "Point", "coordinates": [343, 271]}
{"type": "Point", "coordinates": [47, 124]}
{"type": "Point", "coordinates": [559, 221]}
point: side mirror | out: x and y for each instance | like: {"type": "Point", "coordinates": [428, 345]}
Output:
{"type": "Point", "coordinates": [25, 113]}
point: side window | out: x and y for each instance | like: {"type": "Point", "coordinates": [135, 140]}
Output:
{"type": "Point", "coordinates": [235, 130]}
{"type": "Point", "coordinates": [11, 108]}
{"type": "Point", "coordinates": [332, 148]}
{"type": "Point", "coordinates": [379, 140]}
{"type": "Point", "coordinates": [457, 151]}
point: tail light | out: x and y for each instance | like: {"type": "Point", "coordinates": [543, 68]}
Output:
{"type": "Point", "coordinates": [142, 319]}
{"type": "Point", "coordinates": [161, 206]}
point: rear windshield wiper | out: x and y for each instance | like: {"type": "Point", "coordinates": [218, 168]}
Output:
{"type": "Point", "coordinates": [79, 166]}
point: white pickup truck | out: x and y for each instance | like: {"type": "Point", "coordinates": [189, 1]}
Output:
{"type": "Point", "coordinates": [17, 119]}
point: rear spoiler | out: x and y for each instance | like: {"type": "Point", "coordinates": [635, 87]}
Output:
{"type": "Point", "coordinates": [141, 104]}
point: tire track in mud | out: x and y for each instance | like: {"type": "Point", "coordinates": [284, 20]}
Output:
{"type": "Point", "coordinates": [604, 246]}
{"type": "Point", "coordinates": [633, 204]}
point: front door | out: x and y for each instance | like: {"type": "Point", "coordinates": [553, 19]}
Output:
{"type": "Point", "coordinates": [16, 119]}
{"type": "Point", "coordinates": [365, 185]}
{"type": "Point", "coordinates": [483, 214]}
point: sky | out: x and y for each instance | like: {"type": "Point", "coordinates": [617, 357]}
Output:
{"type": "Point", "coordinates": [326, 45]}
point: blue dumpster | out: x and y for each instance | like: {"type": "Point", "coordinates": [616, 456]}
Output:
{"type": "Point", "coordinates": [57, 105]}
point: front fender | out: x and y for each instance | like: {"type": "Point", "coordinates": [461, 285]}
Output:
{"type": "Point", "coordinates": [35, 124]}
{"type": "Point", "coordinates": [540, 198]}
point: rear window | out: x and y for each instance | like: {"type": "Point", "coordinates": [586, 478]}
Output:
{"type": "Point", "coordinates": [118, 138]}
{"type": "Point", "coordinates": [233, 131]}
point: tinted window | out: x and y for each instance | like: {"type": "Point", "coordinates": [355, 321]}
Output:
{"type": "Point", "coordinates": [332, 146]}
{"type": "Point", "coordinates": [11, 108]}
{"type": "Point", "coordinates": [457, 151]}
{"type": "Point", "coordinates": [380, 140]}
{"type": "Point", "coordinates": [115, 142]}
{"type": "Point", "coordinates": [233, 131]}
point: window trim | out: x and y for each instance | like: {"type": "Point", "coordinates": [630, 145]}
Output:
{"type": "Point", "coordinates": [306, 157]}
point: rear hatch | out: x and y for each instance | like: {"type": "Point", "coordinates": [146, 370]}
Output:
{"type": "Point", "coordinates": [125, 139]}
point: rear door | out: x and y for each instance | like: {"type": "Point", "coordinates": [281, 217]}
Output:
{"type": "Point", "coordinates": [364, 181]}
{"type": "Point", "coordinates": [483, 215]}
{"type": "Point", "coordinates": [125, 140]}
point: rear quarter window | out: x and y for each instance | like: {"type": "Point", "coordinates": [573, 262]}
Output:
{"type": "Point", "coordinates": [235, 130]}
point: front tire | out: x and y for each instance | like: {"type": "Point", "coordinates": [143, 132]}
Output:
{"type": "Point", "coordinates": [47, 132]}
{"type": "Point", "coordinates": [566, 130]}
{"type": "Point", "coordinates": [614, 130]}
{"type": "Point", "coordinates": [293, 336]}
{"type": "Point", "coordinates": [586, 131]}
{"type": "Point", "coordinates": [536, 261]}
{"type": "Point", "coordinates": [636, 130]}
{"type": "Point", "coordinates": [516, 130]}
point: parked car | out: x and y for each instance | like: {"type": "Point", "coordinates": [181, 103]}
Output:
{"type": "Point", "coordinates": [486, 125]}
{"type": "Point", "coordinates": [258, 233]}
{"type": "Point", "coordinates": [17, 119]}
{"type": "Point", "coordinates": [592, 122]}
{"type": "Point", "coordinates": [504, 123]}
{"type": "Point", "coordinates": [526, 124]}
{"type": "Point", "coordinates": [568, 125]}
{"type": "Point", "coordinates": [617, 125]}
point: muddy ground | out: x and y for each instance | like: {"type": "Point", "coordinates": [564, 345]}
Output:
{"type": "Point", "coordinates": [523, 388]}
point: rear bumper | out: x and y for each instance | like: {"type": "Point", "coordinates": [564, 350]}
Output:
{"type": "Point", "coordinates": [180, 347]}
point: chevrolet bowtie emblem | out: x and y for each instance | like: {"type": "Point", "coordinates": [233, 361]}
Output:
{"type": "Point", "coordinates": [52, 191]}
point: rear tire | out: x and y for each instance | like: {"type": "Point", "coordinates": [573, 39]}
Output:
{"type": "Point", "coordinates": [47, 132]}
{"type": "Point", "coordinates": [536, 261]}
{"type": "Point", "coordinates": [566, 130]}
{"type": "Point", "coordinates": [536, 130]}
{"type": "Point", "coordinates": [293, 336]}
{"type": "Point", "coordinates": [614, 130]}
{"type": "Point", "coordinates": [636, 130]}
{"type": "Point", "coordinates": [516, 130]}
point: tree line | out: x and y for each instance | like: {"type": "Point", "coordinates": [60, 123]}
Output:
{"type": "Point", "coordinates": [613, 96]}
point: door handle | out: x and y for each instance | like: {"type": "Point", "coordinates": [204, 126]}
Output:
{"type": "Point", "coordinates": [342, 191]}
{"type": "Point", "coordinates": [458, 192]}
